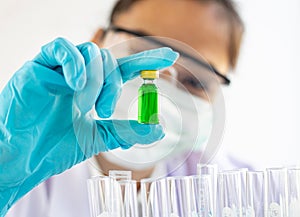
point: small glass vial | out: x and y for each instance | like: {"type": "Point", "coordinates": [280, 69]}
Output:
{"type": "Point", "coordinates": [148, 98]}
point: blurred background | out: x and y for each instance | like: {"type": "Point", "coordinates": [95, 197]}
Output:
{"type": "Point", "coordinates": [263, 102]}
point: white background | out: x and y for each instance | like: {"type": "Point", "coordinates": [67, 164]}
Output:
{"type": "Point", "coordinates": [263, 103]}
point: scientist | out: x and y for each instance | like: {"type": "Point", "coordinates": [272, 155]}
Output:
{"type": "Point", "coordinates": [210, 27]}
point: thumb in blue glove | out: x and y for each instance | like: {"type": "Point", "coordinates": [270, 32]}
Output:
{"type": "Point", "coordinates": [45, 122]}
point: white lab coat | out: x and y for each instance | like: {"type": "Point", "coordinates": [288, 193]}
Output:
{"type": "Point", "coordinates": [61, 196]}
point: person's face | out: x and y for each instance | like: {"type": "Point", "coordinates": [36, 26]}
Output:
{"type": "Point", "coordinates": [202, 26]}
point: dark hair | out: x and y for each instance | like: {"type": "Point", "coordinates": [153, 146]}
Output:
{"type": "Point", "coordinates": [235, 24]}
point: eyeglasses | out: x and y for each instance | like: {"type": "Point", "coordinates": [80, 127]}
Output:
{"type": "Point", "coordinates": [223, 79]}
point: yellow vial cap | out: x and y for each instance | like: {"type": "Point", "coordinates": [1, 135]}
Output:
{"type": "Point", "coordinates": [151, 74]}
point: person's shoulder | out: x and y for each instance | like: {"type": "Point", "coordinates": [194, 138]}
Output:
{"type": "Point", "coordinates": [184, 164]}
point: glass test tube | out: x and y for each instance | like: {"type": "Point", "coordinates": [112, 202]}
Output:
{"type": "Point", "coordinates": [179, 190]}
{"type": "Point", "coordinates": [294, 191]}
{"type": "Point", "coordinates": [229, 194]}
{"type": "Point", "coordinates": [202, 196]}
{"type": "Point", "coordinates": [276, 192]}
{"type": "Point", "coordinates": [100, 196]}
{"type": "Point", "coordinates": [154, 198]}
{"type": "Point", "coordinates": [125, 194]}
{"type": "Point", "coordinates": [255, 194]}
{"type": "Point", "coordinates": [243, 174]}
{"type": "Point", "coordinates": [212, 171]}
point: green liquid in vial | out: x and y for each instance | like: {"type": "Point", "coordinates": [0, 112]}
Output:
{"type": "Point", "coordinates": [148, 104]}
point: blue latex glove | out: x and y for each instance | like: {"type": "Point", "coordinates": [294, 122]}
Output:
{"type": "Point", "coordinates": [46, 125]}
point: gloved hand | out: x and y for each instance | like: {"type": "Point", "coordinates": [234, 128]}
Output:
{"type": "Point", "coordinates": [46, 125]}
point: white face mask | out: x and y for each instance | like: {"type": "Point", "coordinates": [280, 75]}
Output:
{"type": "Point", "coordinates": [187, 122]}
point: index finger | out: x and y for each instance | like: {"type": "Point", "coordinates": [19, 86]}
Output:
{"type": "Point", "coordinates": [155, 59]}
{"type": "Point", "coordinates": [62, 53]}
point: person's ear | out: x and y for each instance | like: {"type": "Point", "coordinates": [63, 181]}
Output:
{"type": "Point", "coordinates": [98, 37]}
